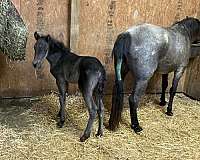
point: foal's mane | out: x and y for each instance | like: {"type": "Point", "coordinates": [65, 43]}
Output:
{"type": "Point", "coordinates": [58, 44]}
{"type": "Point", "coordinates": [191, 25]}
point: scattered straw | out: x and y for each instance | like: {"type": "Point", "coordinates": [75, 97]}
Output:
{"type": "Point", "coordinates": [30, 132]}
{"type": "Point", "coordinates": [13, 32]}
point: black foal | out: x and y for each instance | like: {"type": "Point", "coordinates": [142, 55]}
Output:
{"type": "Point", "coordinates": [68, 67]}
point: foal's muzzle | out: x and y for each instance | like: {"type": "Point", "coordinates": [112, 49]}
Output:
{"type": "Point", "coordinates": [37, 64]}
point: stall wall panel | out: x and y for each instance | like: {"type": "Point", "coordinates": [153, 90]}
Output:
{"type": "Point", "coordinates": [99, 22]}
{"type": "Point", "coordinates": [192, 82]}
{"type": "Point", "coordinates": [18, 78]}
{"type": "Point", "coordinates": [90, 27]}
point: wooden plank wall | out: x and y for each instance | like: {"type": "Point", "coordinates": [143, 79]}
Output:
{"type": "Point", "coordinates": [95, 25]}
{"type": "Point", "coordinates": [100, 21]}
{"type": "Point", "coordinates": [18, 78]}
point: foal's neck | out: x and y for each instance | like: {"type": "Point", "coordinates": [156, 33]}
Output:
{"type": "Point", "coordinates": [53, 58]}
{"type": "Point", "coordinates": [56, 54]}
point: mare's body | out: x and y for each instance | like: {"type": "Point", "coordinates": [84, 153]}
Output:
{"type": "Point", "coordinates": [146, 49]}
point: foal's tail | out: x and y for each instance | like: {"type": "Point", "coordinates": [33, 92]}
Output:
{"type": "Point", "coordinates": [117, 95]}
{"type": "Point", "coordinates": [101, 84]}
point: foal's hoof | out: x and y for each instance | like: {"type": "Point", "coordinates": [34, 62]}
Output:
{"type": "Point", "coordinates": [162, 103]}
{"type": "Point", "coordinates": [99, 134]}
{"type": "Point", "coordinates": [84, 137]}
{"type": "Point", "coordinates": [169, 113]}
{"type": "Point", "coordinates": [137, 128]}
{"type": "Point", "coordinates": [60, 124]}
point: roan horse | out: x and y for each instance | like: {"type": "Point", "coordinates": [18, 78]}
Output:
{"type": "Point", "coordinates": [146, 49]}
{"type": "Point", "coordinates": [68, 67]}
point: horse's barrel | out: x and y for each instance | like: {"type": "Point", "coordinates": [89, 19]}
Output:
{"type": "Point", "coordinates": [13, 31]}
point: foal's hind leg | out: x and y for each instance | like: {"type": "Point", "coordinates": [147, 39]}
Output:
{"type": "Point", "coordinates": [87, 85]}
{"type": "Point", "coordinates": [100, 111]}
{"type": "Point", "coordinates": [140, 88]}
{"type": "Point", "coordinates": [164, 87]}
{"type": "Point", "coordinates": [177, 76]}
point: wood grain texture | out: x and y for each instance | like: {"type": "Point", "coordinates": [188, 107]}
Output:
{"type": "Point", "coordinates": [100, 21]}
{"type": "Point", "coordinates": [18, 78]}
{"type": "Point", "coordinates": [17, 4]}
{"type": "Point", "coordinates": [95, 25]}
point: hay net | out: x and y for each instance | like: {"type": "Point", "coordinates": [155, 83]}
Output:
{"type": "Point", "coordinates": [13, 31]}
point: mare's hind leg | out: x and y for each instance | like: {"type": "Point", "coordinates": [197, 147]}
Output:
{"type": "Point", "coordinates": [177, 75]}
{"type": "Point", "coordinates": [134, 98]}
{"type": "Point", "coordinates": [87, 83]}
{"type": "Point", "coordinates": [164, 87]}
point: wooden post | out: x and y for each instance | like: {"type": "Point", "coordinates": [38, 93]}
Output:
{"type": "Point", "coordinates": [74, 26]}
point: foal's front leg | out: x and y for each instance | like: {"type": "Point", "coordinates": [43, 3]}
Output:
{"type": "Point", "coordinates": [62, 96]}
{"type": "Point", "coordinates": [66, 93]}
{"type": "Point", "coordinates": [177, 76]}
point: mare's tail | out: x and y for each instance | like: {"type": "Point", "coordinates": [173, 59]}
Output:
{"type": "Point", "coordinates": [117, 95]}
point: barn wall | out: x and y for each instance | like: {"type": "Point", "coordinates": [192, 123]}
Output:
{"type": "Point", "coordinates": [192, 82]}
{"type": "Point", "coordinates": [18, 78]}
{"type": "Point", "coordinates": [100, 21]}
{"type": "Point", "coordinates": [94, 27]}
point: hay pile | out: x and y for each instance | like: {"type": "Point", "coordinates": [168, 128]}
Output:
{"type": "Point", "coordinates": [13, 31]}
{"type": "Point", "coordinates": [37, 137]}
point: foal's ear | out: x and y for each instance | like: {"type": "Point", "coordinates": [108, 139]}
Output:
{"type": "Point", "coordinates": [187, 17]}
{"type": "Point", "coordinates": [48, 37]}
{"type": "Point", "coordinates": [36, 35]}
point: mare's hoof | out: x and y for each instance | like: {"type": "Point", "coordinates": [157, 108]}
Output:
{"type": "Point", "coordinates": [84, 137]}
{"type": "Point", "coordinates": [137, 128]}
{"type": "Point", "coordinates": [60, 124]}
{"type": "Point", "coordinates": [111, 127]}
{"type": "Point", "coordinates": [162, 103]}
{"type": "Point", "coordinates": [99, 134]}
{"type": "Point", "coordinates": [169, 113]}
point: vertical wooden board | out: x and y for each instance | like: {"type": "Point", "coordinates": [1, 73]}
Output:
{"type": "Point", "coordinates": [192, 82]}
{"type": "Point", "coordinates": [74, 24]}
{"type": "Point", "coordinates": [18, 78]}
{"type": "Point", "coordinates": [100, 21]}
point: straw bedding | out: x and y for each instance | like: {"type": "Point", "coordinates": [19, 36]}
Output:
{"type": "Point", "coordinates": [28, 131]}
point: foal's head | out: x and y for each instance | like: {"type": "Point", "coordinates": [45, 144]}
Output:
{"type": "Point", "coordinates": [41, 48]}
{"type": "Point", "coordinates": [192, 27]}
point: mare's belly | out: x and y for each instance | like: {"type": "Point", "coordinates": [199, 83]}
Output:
{"type": "Point", "coordinates": [165, 67]}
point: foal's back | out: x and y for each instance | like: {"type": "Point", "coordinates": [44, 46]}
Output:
{"type": "Point", "coordinates": [73, 65]}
